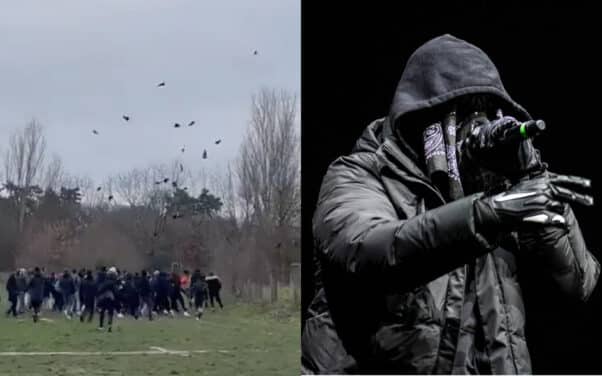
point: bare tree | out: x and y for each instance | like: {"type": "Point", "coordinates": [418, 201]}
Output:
{"type": "Point", "coordinates": [133, 186]}
{"type": "Point", "coordinates": [23, 162]}
{"type": "Point", "coordinates": [268, 171]}
{"type": "Point", "coordinates": [223, 184]}
{"type": "Point", "coordinates": [268, 164]}
{"type": "Point", "coordinates": [53, 174]}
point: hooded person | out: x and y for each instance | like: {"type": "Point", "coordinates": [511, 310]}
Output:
{"type": "Point", "coordinates": [88, 295]}
{"type": "Point", "coordinates": [130, 296]}
{"type": "Point", "coordinates": [13, 293]}
{"type": "Point", "coordinates": [146, 294]}
{"type": "Point", "coordinates": [162, 290]}
{"type": "Point", "coordinates": [175, 294]}
{"type": "Point", "coordinates": [106, 297]}
{"type": "Point", "coordinates": [214, 285]}
{"type": "Point", "coordinates": [21, 279]}
{"type": "Point", "coordinates": [35, 289]}
{"type": "Point", "coordinates": [425, 223]}
{"type": "Point", "coordinates": [67, 287]}
{"type": "Point", "coordinates": [199, 291]}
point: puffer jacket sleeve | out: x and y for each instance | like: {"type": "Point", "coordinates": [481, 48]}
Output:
{"type": "Point", "coordinates": [563, 252]}
{"type": "Point", "coordinates": [360, 234]}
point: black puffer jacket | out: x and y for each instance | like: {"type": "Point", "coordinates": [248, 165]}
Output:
{"type": "Point", "coordinates": [36, 288]}
{"type": "Point", "coordinates": [405, 284]}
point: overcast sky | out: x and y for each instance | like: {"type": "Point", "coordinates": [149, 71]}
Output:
{"type": "Point", "coordinates": [79, 65]}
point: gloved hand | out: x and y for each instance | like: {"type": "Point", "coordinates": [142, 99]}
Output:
{"type": "Point", "coordinates": [533, 202]}
{"type": "Point", "coordinates": [516, 159]}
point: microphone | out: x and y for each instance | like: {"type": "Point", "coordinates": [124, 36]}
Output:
{"type": "Point", "coordinates": [521, 131]}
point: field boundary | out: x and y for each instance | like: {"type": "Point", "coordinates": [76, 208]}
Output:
{"type": "Point", "coordinates": [153, 350]}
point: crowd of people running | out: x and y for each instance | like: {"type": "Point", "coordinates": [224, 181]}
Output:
{"type": "Point", "coordinates": [110, 291]}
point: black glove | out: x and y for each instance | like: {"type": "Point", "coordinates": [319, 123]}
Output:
{"type": "Point", "coordinates": [537, 202]}
{"type": "Point", "coordinates": [516, 159]}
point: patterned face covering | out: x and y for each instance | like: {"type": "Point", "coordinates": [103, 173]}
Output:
{"type": "Point", "coordinates": [453, 175]}
{"type": "Point", "coordinates": [440, 153]}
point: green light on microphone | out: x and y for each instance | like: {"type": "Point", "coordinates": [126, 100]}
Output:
{"type": "Point", "coordinates": [523, 130]}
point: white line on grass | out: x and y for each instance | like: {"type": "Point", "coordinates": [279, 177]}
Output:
{"type": "Point", "coordinates": [161, 349]}
{"type": "Point", "coordinates": [78, 353]}
{"type": "Point", "coordinates": [153, 351]}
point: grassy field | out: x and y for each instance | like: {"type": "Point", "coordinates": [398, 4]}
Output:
{"type": "Point", "coordinates": [242, 339]}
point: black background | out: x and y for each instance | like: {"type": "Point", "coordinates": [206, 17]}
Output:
{"type": "Point", "coordinates": [352, 58]}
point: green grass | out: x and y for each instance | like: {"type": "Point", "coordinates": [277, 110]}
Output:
{"type": "Point", "coordinates": [261, 340]}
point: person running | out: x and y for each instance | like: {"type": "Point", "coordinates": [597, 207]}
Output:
{"type": "Point", "coordinates": [107, 293]}
{"type": "Point", "coordinates": [88, 294]}
{"type": "Point", "coordinates": [130, 296]}
{"type": "Point", "coordinates": [46, 301]}
{"type": "Point", "coordinates": [215, 285]}
{"type": "Point", "coordinates": [185, 284]}
{"type": "Point", "coordinates": [146, 295]}
{"type": "Point", "coordinates": [176, 294]}
{"type": "Point", "coordinates": [76, 288]}
{"type": "Point", "coordinates": [21, 279]}
{"type": "Point", "coordinates": [35, 289]}
{"type": "Point", "coordinates": [199, 291]}
{"type": "Point", "coordinates": [162, 292]}
{"type": "Point", "coordinates": [67, 287]}
{"type": "Point", "coordinates": [13, 294]}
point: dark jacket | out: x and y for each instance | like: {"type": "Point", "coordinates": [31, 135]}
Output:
{"type": "Point", "coordinates": [11, 287]}
{"type": "Point", "coordinates": [144, 287]}
{"type": "Point", "coordinates": [162, 286]}
{"type": "Point", "coordinates": [21, 283]}
{"type": "Point", "coordinates": [175, 287]}
{"type": "Point", "coordinates": [107, 290]}
{"type": "Point", "coordinates": [405, 283]}
{"type": "Point", "coordinates": [130, 292]}
{"type": "Point", "coordinates": [48, 287]}
{"type": "Point", "coordinates": [88, 290]}
{"type": "Point", "coordinates": [66, 285]}
{"type": "Point", "coordinates": [36, 288]}
{"type": "Point", "coordinates": [213, 283]}
{"type": "Point", "coordinates": [198, 287]}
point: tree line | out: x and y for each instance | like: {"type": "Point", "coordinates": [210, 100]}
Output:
{"type": "Point", "coordinates": [241, 222]}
